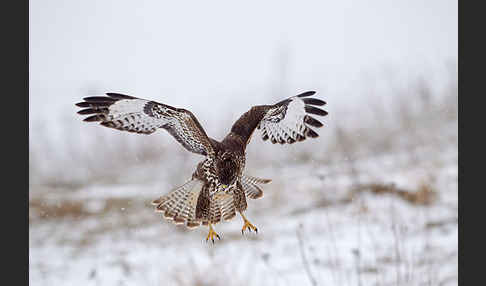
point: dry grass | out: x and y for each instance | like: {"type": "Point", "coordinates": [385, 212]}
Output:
{"type": "Point", "coordinates": [41, 209]}
{"type": "Point", "coordinates": [424, 195]}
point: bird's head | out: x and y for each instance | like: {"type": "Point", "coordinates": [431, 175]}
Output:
{"type": "Point", "coordinates": [227, 168]}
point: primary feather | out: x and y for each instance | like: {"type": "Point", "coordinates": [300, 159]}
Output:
{"type": "Point", "coordinates": [128, 113]}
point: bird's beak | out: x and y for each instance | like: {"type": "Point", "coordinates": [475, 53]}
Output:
{"type": "Point", "coordinates": [223, 187]}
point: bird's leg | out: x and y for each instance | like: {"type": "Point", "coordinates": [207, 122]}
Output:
{"type": "Point", "coordinates": [211, 234]}
{"type": "Point", "coordinates": [247, 225]}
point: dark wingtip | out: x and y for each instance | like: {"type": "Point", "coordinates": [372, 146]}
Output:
{"type": "Point", "coordinates": [117, 96]}
{"type": "Point", "coordinates": [82, 104]}
{"type": "Point", "coordinates": [312, 133]}
{"type": "Point", "coordinates": [315, 110]}
{"type": "Point", "coordinates": [98, 99]}
{"type": "Point", "coordinates": [307, 93]}
{"type": "Point", "coordinates": [312, 121]}
{"type": "Point", "coordinates": [87, 111]}
{"type": "Point", "coordinates": [314, 101]}
{"type": "Point", "coordinates": [93, 105]}
{"type": "Point", "coordinates": [92, 118]}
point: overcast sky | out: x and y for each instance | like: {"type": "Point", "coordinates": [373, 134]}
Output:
{"type": "Point", "coordinates": [192, 53]}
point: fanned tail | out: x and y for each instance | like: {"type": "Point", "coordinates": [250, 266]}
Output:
{"type": "Point", "coordinates": [251, 188]}
{"type": "Point", "coordinates": [179, 205]}
{"type": "Point", "coordinates": [222, 208]}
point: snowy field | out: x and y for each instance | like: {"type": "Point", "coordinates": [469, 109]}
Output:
{"type": "Point", "coordinates": [356, 218]}
{"type": "Point", "coordinates": [372, 201]}
{"type": "Point", "coordinates": [310, 219]}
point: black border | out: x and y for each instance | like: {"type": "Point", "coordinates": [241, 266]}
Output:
{"type": "Point", "coordinates": [15, 160]}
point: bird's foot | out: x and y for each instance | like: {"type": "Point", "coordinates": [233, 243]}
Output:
{"type": "Point", "coordinates": [249, 226]}
{"type": "Point", "coordinates": [212, 234]}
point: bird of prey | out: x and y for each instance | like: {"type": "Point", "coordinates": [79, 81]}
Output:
{"type": "Point", "coordinates": [218, 187]}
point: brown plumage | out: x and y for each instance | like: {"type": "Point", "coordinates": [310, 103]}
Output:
{"type": "Point", "coordinates": [218, 188]}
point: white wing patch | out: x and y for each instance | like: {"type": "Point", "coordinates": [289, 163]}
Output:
{"type": "Point", "coordinates": [128, 115]}
{"type": "Point", "coordinates": [138, 115]}
{"type": "Point", "coordinates": [289, 120]}
{"type": "Point", "coordinates": [288, 128]}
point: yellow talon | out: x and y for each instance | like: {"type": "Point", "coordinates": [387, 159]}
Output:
{"type": "Point", "coordinates": [247, 225]}
{"type": "Point", "coordinates": [211, 234]}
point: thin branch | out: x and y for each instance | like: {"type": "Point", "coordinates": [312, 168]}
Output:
{"type": "Point", "coordinates": [304, 259]}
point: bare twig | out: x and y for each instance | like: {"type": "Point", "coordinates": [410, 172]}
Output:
{"type": "Point", "coordinates": [396, 239]}
{"type": "Point", "coordinates": [304, 259]}
{"type": "Point", "coordinates": [334, 256]}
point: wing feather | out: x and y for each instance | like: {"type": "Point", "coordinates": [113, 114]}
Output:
{"type": "Point", "coordinates": [288, 121]}
{"type": "Point", "coordinates": [128, 113]}
{"type": "Point", "coordinates": [285, 122]}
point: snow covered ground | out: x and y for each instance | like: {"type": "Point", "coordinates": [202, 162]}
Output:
{"type": "Point", "coordinates": [372, 201]}
{"type": "Point", "coordinates": [317, 225]}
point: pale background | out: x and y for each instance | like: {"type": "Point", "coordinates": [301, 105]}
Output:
{"type": "Point", "coordinates": [375, 195]}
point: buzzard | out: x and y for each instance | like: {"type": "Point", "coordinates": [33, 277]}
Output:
{"type": "Point", "coordinates": [218, 188]}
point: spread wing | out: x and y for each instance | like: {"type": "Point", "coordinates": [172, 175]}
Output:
{"type": "Point", "coordinates": [287, 121]}
{"type": "Point", "coordinates": [128, 113]}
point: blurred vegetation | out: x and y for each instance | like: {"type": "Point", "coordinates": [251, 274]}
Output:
{"type": "Point", "coordinates": [413, 115]}
{"type": "Point", "coordinates": [406, 135]}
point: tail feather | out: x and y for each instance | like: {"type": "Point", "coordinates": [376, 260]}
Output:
{"type": "Point", "coordinates": [251, 188]}
{"type": "Point", "coordinates": [222, 207]}
{"type": "Point", "coordinates": [179, 205]}
{"type": "Point", "coordinates": [215, 210]}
